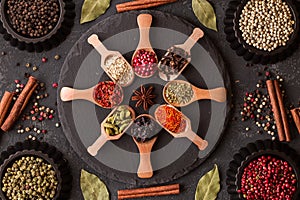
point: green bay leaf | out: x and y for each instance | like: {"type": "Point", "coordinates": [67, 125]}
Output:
{"type": "Point", "coordinates": [205, 13]}
{"type": "Point", "coordinates": [92, 187]}
{"type": "Point", "coordinates": [209, 185]}
{"type": "Point", "coordinates": [92, 9]}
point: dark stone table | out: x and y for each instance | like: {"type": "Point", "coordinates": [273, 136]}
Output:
{"type": "Point", "coordinates": [243, 79]}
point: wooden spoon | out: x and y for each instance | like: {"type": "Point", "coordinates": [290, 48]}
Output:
{"type": "Point", "coordinates": [69, 94]}
{"type": "Point", "coordinates": [106, 54]}
{"type": "Point", "coordinates": [188, 133]}
{"type": "Point", "coordinates": [144, 21]}
{"type": "Point", "coordinates": [217, 94]}
{"type": "Point", "coordinates": [186, 46]}
{"type": "Point", "coordinates": [145, 167]}
{"type": "Point", "coordinates": [104, 137]}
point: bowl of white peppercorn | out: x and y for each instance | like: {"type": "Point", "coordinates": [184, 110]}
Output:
{"type": "Point", "coordinates": [34, 170]}
{"type": "Point", "coordinates": [29, 24]}
{"type": "Point", "coordinates": [262, 31]}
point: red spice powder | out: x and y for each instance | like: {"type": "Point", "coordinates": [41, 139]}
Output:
{"type": "Point", "coordinates": [171, 119]}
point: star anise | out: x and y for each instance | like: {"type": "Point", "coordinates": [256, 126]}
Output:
{"type": "Point", "coordinates": [144, 97]}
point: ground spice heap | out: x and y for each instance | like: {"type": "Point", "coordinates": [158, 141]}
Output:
{"type": "Point", "coordinates": [266, 24]}
{"type": "Point", "coordinates": [171, 119]}
{"type": "Point", "coordinates": [29, 178]}
{"type": "Point", "coordinates": [33, 18]}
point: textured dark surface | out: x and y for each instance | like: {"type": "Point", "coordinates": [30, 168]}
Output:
{"type": "Point", "coordinates": [243, 79]}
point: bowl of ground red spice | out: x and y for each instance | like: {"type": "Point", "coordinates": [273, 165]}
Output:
{"type": "Point", "coordinates": [29, 23]}
{"type": "Point", "coordinates": [264, 170]}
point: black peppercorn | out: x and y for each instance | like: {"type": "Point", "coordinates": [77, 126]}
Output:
{"type": "Point", "coordinates": [33, 18]}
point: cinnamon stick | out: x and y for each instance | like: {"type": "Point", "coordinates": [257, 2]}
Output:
{"type": "Point", "coordinates": [20, 104]}
{"type": "Point", "coordinates": [141, 4]}
{"type": "Point", "coordinates": [282, 111]}
{"type": "Point", "coordinates": [162, 193]}
{"type": "Point", "coordinates": [296, 116]}
{"type": "Point", "coordinates": [5, 104]}
{"type": "Point", "coordinates": [276, 109]}
{"type": "Point", "coordinates": [152, 191]}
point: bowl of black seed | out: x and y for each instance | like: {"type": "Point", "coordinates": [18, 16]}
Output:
{"type": "Point", "coordinates": [32, 21]}
{"type": "Point", "coordinates": [30, 174]}
{"type": "Point", "coordinates": [262, 31]}
{"type": "Point", "coordinates": [144, 128]}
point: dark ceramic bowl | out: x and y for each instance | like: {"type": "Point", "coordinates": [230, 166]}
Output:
{"type": "Point", "coordinates": [46, 42]}
{"type": "Point", "coordinates": [250, 53]}
{"type": "Point", "coordinates": [252, 152]}
{"type": "Point", "coordinates": [39, 150]}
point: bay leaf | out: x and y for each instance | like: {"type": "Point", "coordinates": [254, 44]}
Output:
{"type": "Point", "coordinates": [205, 13]}
{"type": "Point", "coordinates": [92, 9]}
{"type": "Point", "coordinates": [209, 185]}
{"type": "Point", "coordinates": [92, 187]}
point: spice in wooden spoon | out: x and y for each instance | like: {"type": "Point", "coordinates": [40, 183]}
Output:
{"type": "Point", "coordinates": [113, 127]}
{"type": "Point", "coordinates": [178, 125]}
{"type": "Point", "coordinates": [144, 59]}
{"type": "Point", "coordinates": [105, 94]}
{"type": "Point", "coordinates": [181, 93]}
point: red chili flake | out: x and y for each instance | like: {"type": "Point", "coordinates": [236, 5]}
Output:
{"type": "Point", "coordinates": [171, 119]}
{"type": "Point", "coordinates": [108, 94]}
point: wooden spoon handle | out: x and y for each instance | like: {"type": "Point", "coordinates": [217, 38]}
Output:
{"type": "Point", "coordinates": [145, 167]}
{"type": "Point", "coordinates": [144, 21]}
{"type": "Point", "coordinates": [69, 94]}
{"type": "Point", "coordinates": [94, 148]}
{"type": "Point", "coordinates": [192, 136]}
{"type": "Point", "coordinates": [98, 45]}
{"type": "Point", "coordinates": [217, 94]}
{"type": "Point", "coordinates": [190, 42]}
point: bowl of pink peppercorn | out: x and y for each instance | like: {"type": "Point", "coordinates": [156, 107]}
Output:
{"type": "Point", "coordinates": [264, 170]}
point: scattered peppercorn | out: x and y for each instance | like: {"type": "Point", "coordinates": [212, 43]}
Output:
{"type": "Point", "coordinates": [57, 57]}
{"type": "Point", "coordinates": [44, 59]}
{"type": "Point", "coordinates": [3, 53]}
{"type": "Point", "coordinates": [55, 85]}
{"type": "Point", "coordinates": [35, 68]}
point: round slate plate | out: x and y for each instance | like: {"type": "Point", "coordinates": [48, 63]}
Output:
{"type": "Point", "coordinates": [171, 158]}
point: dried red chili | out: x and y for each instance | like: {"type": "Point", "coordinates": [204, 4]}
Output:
{"type": "Point", "coordinates": [171, 119]}
{"type": "Point", "coordinates": [108, 94]}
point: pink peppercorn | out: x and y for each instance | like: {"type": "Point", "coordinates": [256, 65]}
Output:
{"type": "Point", "coordinates": [144, 63]}
{"type": "Point", "coordinates": [55, 85]}
{"type": "Point", "coordinates": [44, 59]}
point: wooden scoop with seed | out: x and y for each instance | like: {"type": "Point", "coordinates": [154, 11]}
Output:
{"type": "Point", "coordinates": [144, 21]}
{"type": "Point", "coordinates": [217, 94]}
{"type": "Point", "coordinates": [186, 47]}
{"type": "Point", "coordinates": [69, 94]}
{"type": "Point", "coordinates": [105, 55]}
{"type": "Point", "coordinates": [104, 137]}
{"type": "Point", "coordinates": [145, 167]}
{"type": "Point", "coordinates": [187, 133]}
